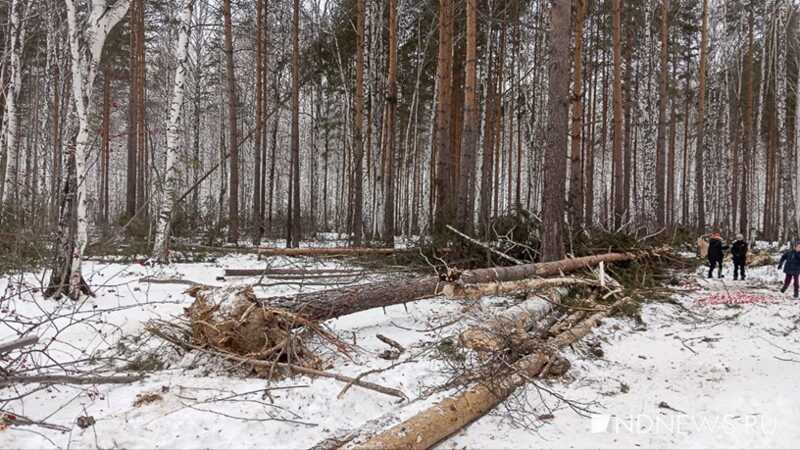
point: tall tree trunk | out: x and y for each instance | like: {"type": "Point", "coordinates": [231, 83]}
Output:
{"type": "Point", "coordinates": [619, 195]}
{"type": "Point", "coordinates": [172, 176]}
{"type": "Point", "coordinates": [488, 140]}
{"type": "Point", "coordinates": [140, 133]}
{"type": "Point", "coordinates": [85, 59]}
{"type": "Point", "coordinates": [576, 172]}
{"type": "Point", "coordinates": [294, 223]}
{"type": "Point", "coordinates": [230, 80]}
{"type": "Point", "coordinates": [789, 206]}
{"type": "Point", "coordinates": [8, 165]}
{"type": "Point", "coordinates": [747, 132]}
{"type": "Point", "coordinates": [663, 100]}
{"type": "Point", "coordinates": [132, 178]}
{"type": "Point", "coordinates": [105, 145]}
{"type": "Point", "coordinates": [444, 154]}
{"type": "Point", "coordinates": [357, 202]}
{"type": "Point", "coordinates": [389, 137]}
{"type": "Point", "coordinates": [557, 131]}
{"type": "Point", "coordinates": [671, 158]}
{"type": "Point", "coordinates": [701, 111]}
{"type": "Point", "coordinates": [258, 225]}
{"type": "Point", "coordinates": [469, 144]}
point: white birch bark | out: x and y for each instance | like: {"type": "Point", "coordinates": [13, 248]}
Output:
{"type": "Point", "coordinates": [86, 48]}
{"type": "Point", "coordinates": [172, 177]}
{"type": "Point", "coordinates": [9, 169]}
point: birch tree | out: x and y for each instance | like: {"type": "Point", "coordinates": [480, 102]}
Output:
{"type": "Point", "coordinates": [86, 48]}
{"type": "Point", "coordinates": [172, 176]}
{"type": "Point", "coordinates": [8, 163]}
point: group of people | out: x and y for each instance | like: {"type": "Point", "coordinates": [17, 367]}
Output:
{"type": "Point", "coordinates": [789, 262]}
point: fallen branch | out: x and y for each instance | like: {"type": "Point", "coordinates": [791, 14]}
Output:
{"type": "Point", "coordinates": [68, 379]}
{"type": "Point", "coordinates": [303, 370]}
{"type": "Point", "coordinates": [15, 419]}
{"type": "Point", "coordinates": [190, 283]}
{"type": "Point", "coordinates": [391, 342]}
{"type": "Point", "coordinates": [486, 246]}
{"type": "Point", "coordinates": [26, 341]}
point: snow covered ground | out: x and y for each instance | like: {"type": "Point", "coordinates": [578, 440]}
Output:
{"type": "Point", "coordinates": [723, 375]}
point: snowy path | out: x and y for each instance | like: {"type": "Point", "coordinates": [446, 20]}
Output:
{"type": "Point", "coordinates": [734, 381]}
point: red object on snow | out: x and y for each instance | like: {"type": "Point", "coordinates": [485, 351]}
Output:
{"type": "Point", "coordinates": [735, 298]}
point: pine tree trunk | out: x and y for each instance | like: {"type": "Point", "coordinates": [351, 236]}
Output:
{"type": "Point", "coordinates": [557, 132]}
{"type": "Point", "coordinates": [133, 111]}
{"type": "Point", "coordinates": [469, 147]}
{"type": "Point", "coordinates": [747, 123]}
{"type": "Point", "coordinates": [444, 159]}
{"type": "Point", "coordinates": [389, 138]}
{"type": "Point", "coordinates": [701, 112]}
{"type": "Point", "coordinates": [488, 143]}
{"type": "Point", "coordinates": [357, 205]}
{"type": "Point", "coordinates": [576, 172]}
{"type": "Point", "coordinates": [663, 100]}
{"type": "Point", "coordinates": [619, 195]}
{"type": "Point", "coordinates": [258, 225]}
{"type": "Point", "coordinates": [105, 145]}
{"type": "Point", "coordinates": [294, 210]}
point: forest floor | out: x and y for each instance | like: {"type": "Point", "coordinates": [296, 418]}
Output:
{"type": "Point", "coordinates": [697, 373]}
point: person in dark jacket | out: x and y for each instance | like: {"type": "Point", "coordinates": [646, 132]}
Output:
{"type": "Point", "coordinates": [716, 252]}
{"type": "Point", "coordinates": [790, 261]}
{"type": "Point", "coordinates": [739, 253]}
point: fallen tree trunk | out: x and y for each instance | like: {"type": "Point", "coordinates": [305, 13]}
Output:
{"type": "Point", "coordinates": [333, 251]}
{"type": "Point", "coordinates": [333, 303]}
{"type": "Point", "coordinates": [476, 291]}
{"type": "Point", "coordinates": [494, 334]}
{"type": "Point", "coordinates": [291, 272]}
{"type": "Point", "coordinates": [449, 415]}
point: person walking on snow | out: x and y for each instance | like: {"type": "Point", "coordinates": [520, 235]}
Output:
{"type": "Point", "coordinates": [739, 253]}
{"type": "Point", "coordinates": [790, 261]}
{"type": "Point", "coordinates": [716, 252]}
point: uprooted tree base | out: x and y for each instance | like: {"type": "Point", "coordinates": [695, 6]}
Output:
{"type": "Point", "coordinates": [237, 324]}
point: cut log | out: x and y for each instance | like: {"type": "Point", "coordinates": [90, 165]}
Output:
{"type": "Point", "coordinates": [492, 335]}
{"type": "Point", "coordinates": [476, 291]}
{"type": "Point", "coordinates": [449, 415]}
{"type": "Point", "coordinates": [333, 303]}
